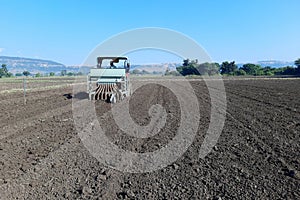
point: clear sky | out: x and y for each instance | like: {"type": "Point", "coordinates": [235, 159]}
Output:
{"type": "Point", "coordinates": [67, 30]}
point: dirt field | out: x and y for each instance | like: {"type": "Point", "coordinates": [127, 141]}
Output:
{"type": "Point", "coordinates": [257, 155]}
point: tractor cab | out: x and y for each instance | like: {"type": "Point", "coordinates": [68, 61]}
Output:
{"type": "Point", "coordinates": [113, 63]}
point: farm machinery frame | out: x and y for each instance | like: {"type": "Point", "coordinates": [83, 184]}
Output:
{"type": "Point", "coordinates": [110, 83]}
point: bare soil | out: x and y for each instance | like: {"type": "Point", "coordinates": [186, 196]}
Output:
{"type": "Point", "coordinates": [257, 155]}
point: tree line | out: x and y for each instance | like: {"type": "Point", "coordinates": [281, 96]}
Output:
{"type": "Point", "coordinates": [192, 67]}
{"type": "Point", "coordinates": [5, 73]}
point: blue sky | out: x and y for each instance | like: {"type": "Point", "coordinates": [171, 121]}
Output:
{"type": "Point", "coordinates": [67, 30]}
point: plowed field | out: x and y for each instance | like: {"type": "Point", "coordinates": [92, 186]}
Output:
{"type": "Point", "coordinates": [256, 157]}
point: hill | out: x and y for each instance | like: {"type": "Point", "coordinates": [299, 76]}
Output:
{"type": "Point", "coordinates": [275, 63]}
{"type": "Point", "coordinates": [271, 63]}
{"type": "Point", "coordinates": [19, 64]}
{"type": "Point", "coordinates": [160, 68]}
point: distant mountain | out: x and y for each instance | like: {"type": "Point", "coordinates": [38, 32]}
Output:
{"type": "Point", "coordinates": [275, 63]}
{"type": "Point", "coordinates": [18, 64]}
{"type": "Point", "coordinates": [271, 63]}
{"type": "Point", "coordinates": [160, 68]}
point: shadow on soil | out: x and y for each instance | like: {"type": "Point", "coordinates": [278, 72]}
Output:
{"type": "Point", "coordinates": [80, 95]}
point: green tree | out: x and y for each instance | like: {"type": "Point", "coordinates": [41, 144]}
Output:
{"type": "Point", "coordinates": [70, 74]}
{"type": "Point", "coordinates": [252, 69]}
{"type": "Point", "coordinates": [186, 62]}
{"type": "Point", "coordinates": [286, 71]}
{"type": "Point", "coordinates": [38, 75]}
{"type": "Point", "coordinates": [229, 68]}
{"type": "Point", "coordinates": [188, 70]}
{"type": "Point", "coordinates": [297, 62]}
{"type": "Point", "coordinates": [260, 72]}
{"type": "Point", "coordinates": [191, 67]}
{"type": "Point", "coordinates": [3, 71]}
{"type": "Point", "coordinates": [52, 74]}
{"type": "Point", "coordinates": [208, 68]}
{"type": "Point", "coordinates": [136, 71]}
{"type": "Point", "coordinates": [63, 72]}
{"type": "Point", "coordinates": [4, 67]}
{"type": "Point", "coordinates": [9, 74]}
{"type": "Point", "coordinates": [241, 72]}
{"type": "Point", "coordinates": [289, 70]}
{"type": "Point", "coordinates": [26, 73]}
{"type": "Point", "coordinates": [268, 71]}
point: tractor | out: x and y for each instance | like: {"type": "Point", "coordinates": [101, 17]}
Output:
{"type": "Point", "coordinates": [109, 81]}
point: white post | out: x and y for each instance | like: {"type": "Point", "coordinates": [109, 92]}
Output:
{"type": "Point", "coordinates": [24, 89]}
